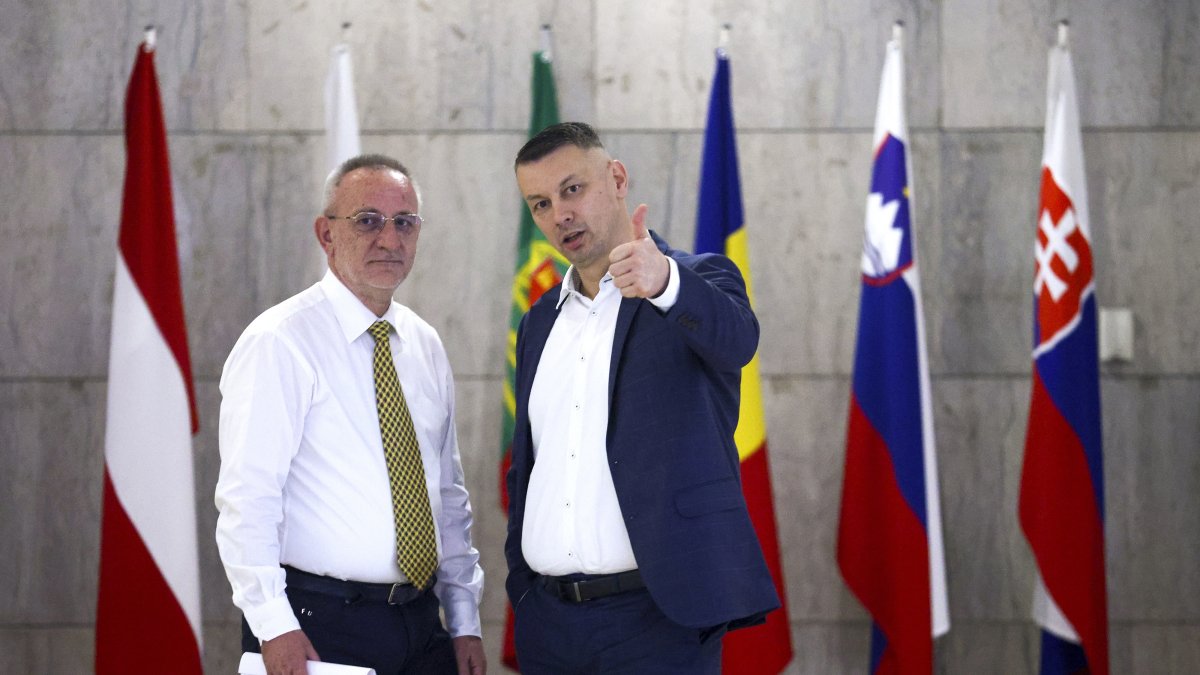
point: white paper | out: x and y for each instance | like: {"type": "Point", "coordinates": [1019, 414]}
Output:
{"type": "Point", "coordinates": [252, 664]}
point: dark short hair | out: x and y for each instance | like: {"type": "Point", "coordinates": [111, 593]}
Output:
{"type": "Point", "coordinates": [556, 136]}
{"type": "Point", "coordinates": [367, 161]}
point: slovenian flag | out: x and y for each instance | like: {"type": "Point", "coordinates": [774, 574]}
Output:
{"type": "Point", "coordinates": [890, 534]}
{"type": "Point", "coordinates": [1062, 482]}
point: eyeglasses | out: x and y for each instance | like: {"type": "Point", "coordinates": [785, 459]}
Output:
{"type": "Point", "coordinates": [370, 222]}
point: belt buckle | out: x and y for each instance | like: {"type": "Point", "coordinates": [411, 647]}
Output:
{"type": "Point", "coordinates": [575, 593]}
{"type": "Point", "coordinates": [392, 594]}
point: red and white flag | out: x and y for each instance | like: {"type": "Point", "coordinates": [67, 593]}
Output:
{"type": "Point", "coordinates": [148, 610]}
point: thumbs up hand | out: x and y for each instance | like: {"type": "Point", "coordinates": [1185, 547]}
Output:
{"type": "Point", "coordinates": [638, 268]}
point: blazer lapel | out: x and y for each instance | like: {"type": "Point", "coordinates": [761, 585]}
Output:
{"type": "Point", "coordinates": [538, 331]}
{"type": "Point", "coordinates": [629, 308]}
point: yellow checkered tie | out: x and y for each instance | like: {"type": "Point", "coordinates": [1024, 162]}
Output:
{"type": "Point", "coordinates": [415, 548]}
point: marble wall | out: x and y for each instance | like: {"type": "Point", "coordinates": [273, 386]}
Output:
{"type": "Point", "coordinates": [444, 86]}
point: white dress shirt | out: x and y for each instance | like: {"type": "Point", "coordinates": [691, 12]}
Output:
{"type": "Point", "coordinates": [303, 478]}
{"type": "Point", "coordinates": [573, 520]}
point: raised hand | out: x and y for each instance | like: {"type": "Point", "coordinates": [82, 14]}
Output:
{"type": "Point", "coordinates": [638, 268]}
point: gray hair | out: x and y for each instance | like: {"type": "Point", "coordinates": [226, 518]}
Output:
{"type": "Point", "coordinates": [368, 161]}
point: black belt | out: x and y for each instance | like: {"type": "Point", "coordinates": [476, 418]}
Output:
{"type": "Point", "coordinates": [581, 588]}
{"type": "Point", "coordinates": [392, 594]}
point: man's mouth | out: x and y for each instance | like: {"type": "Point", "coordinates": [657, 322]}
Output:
{"type": "Point", "coordinates": [572, 238]}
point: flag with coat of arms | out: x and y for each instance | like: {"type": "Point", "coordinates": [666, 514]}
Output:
{"type": "Point", "coordinates": [889, 545]}
{"type": "Point", "coordinates": [1062, 481]}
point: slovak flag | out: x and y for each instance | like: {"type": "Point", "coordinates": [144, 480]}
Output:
{"type": "Point", "coordinates": [890, 534]}
{"type": "Point", "coordinates": [1062, 481]}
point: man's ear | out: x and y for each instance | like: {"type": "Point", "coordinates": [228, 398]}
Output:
{"type": "Point", "coordinates": [620, 177]}
{"type": "Point", "coordinates": [323, 229]}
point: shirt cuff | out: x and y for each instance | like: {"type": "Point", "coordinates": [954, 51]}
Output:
{"type": "Point", "coordinates": [666, 300]}
{"type": "Point", "coordinates": [272, 619]}
{"type": "Point", "coordinates": [462, 615]}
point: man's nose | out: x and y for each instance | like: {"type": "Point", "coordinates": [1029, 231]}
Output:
{"type": "Point", "coordinates": [391, 236]}
{"type": "Point", "coordinates": [563, 215]}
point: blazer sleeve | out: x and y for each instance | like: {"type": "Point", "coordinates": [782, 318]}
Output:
{"type": "Point", "coordinates": [713, 311]}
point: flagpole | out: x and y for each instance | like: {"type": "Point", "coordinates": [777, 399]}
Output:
{"type": "Point", "coordinates": [898, 33]}
{"type": "Point", "coordinates": [544, 41]}
{"type": "Point", "coordinates": [723, 38]}
{"type": "Point", "coordinates": [151, 37]}
{"type": "Point", "coordinates": [1063, 28]}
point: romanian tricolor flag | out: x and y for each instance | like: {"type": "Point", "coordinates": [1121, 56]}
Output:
{"type": "Point", "coordinates": [539, 268]}
{"type": "Point", "coordinates": [1062, 481]}
{"type": "Point", "coordinates": [890, 531]}
{"type": "Point", "coordinates": [767, 648]}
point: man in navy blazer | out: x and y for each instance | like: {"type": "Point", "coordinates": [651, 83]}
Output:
{"type": "Point", "coordinates": [629, 546]}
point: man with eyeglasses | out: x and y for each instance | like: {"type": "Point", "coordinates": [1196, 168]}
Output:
{"type": "Point", "coordinates": [630, 548]}
{"type": "Point", "coordinates": [344, 525]}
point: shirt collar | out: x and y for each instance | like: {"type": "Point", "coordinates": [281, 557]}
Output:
{"type": "Point", "coordinates": [352, 315]}
{"type": "Point", "coordinates": [571, 283]}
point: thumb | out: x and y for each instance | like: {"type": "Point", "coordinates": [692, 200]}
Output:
{"type": "Point", "coordinates": [639, 222]}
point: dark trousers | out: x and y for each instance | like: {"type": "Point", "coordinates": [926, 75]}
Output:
{"type": "Point", "coordinates": [393, 639]}
{"type": "Point", "coordinates": [622, 633]}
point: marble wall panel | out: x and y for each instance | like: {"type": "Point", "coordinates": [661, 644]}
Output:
{"type": "Point", "coordinates": [47, 650]}
{"type": "Point", "coordinates": [993, 63]}
{"type": "Point", "coordinates": [830, 648]}
{"type": "Point", "coordinates": [222, 646]}
{"type": "Point", "coordinates": [796, 64]}
{"type": "Point", "coordinates": [1181, 98]}
{"type": "Point", "coordinates": [1119, 82]}
{"type": "Point", "coordinates": [73, 72]}
{"type": "Point", "coordinates": [980, 427]}
{"type": "Point", "coordinates": [285, 188]}
{"type": "Point", "coordinates": [516, 34]}
{"type": "Point", "coordinates": [992, 647]}
{"type": "Point", "coordinates": [53, 448]}
{"type": "Point", "coordinates": [806, 432]}
{"type": "Point", "coordinates": [215, 206]}
{"type": "Point", "coordinates": [418, 66]}
{"type": "Point", "coordinates": [1152, 505]}
{"type": "Point", "coordinates": [978, 279]}
{"type": "Point", "coordinates": [653, 63]}
{"type": "Point", "coordinates": [1144, 188]}
{"type": "Point", "coordinates": [1161, 650]}
{"type": "Point", "coordinates": [653, 161]}
{"type": "Point", "coordinates": [76, 58]}
{"type": "Point", "coordinates": [57, 265]}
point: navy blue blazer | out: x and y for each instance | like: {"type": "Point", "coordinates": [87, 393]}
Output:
{"type": "Point", "coordinates": [673, 406]}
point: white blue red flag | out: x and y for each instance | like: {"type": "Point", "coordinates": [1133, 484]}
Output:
{"type": "Point", "coordinates": [890, 533]}
{"type": "Point", "coordinates": [1062, 481]}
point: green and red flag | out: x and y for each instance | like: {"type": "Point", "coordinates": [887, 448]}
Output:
{"type": "Point", "coordinates": [766, 648]}
{"type": "Point", "coordinates": [539, 268]}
